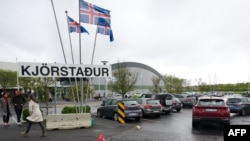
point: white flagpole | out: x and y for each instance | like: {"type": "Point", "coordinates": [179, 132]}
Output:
{"type": "Point", "coordinates": [92, 60]}
{"type": "Point", "coordinates": [72, 62]}
{"type": "Point", "coordinates": [93, 53]}
{"type": "Point", "coordinates": [58, 31]}
{"type": "Point", "coordinates": [80, 58]}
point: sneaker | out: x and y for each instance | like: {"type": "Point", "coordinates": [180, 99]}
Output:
{"type": "Point", "coordinates": [43, 135]}
{"type": "Point", "coordinates": [24, 133]}
{"type": "Point", "coordinates": [19, 124]}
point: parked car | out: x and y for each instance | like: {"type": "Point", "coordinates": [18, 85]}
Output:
{"type": "Point", "coordinates": [150, 107]}
{"type": "Point", "coordinates": [109, 109]}
{"type": "Point", "coordinates": [177, 104]}
{"type": "Point", "coordinates": [166, 101]}
{"type": "Point", "coordinates": [210, 110]}
{"type": "Point", "coordinates": [239, 105]}
{"type": "Point", "coordinates": [187, 100]}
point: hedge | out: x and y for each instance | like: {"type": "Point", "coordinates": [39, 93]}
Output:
{"type": "Point", "coordinates": [72, 109]}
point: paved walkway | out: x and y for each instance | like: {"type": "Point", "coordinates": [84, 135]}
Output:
{"type": "Point", "coordinates": [56, 107]}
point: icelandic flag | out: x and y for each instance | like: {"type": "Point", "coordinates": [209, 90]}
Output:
{"type": "Point", "coordinates": [74, 26]}
{"type": "Point", "coordinates": [93, 14]}
{"type": "Point", "coordinates": [106, 31]}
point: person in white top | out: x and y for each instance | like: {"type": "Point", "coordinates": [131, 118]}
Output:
{"type": "Point", "coordinates": [35, 115]}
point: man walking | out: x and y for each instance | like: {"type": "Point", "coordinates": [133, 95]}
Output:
{"type": "Point", "coordinates": [18, 101]}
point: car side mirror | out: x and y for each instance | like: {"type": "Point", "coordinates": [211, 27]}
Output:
{"type": "Point", "coordinates": [103, 104]}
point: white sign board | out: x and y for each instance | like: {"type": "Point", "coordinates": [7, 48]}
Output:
{"type": "Point", "coordinates": [63, 70]}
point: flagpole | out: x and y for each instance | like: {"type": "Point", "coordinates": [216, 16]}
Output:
{"type": "Point", "coordinates": [80, 59]}
{"type": "Point", "coordinates": [58, 31]}
{"type": "Point", "coordinates": [72, 61]}
{"type": "Point", "coordinates": [92, 60]}
{"type": "Point", "coordinates": [93, 53]}
{"type": "Point", "coordinates": [60, 38]}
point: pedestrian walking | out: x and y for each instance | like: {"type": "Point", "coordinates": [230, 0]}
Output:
{"type": "Point", "coordinates": [35, 115]}
{"type": "Point", "coordinates": [5, 103]}
{"type": "Point", "coordinates": [18, 101]}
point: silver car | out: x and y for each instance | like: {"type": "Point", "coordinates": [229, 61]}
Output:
{"type": "Point", "coordinates": [150, 107]}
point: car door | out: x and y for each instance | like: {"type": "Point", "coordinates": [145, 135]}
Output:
{"type": "Point", "coordinates": [105, 108]}
{"type": "Point", "coordinates": [248, 105]}
{"type": "Point", "coordinates": [112, 108]}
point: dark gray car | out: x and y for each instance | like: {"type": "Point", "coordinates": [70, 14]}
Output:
{"type": "Point", "coordinates": [109, 109]}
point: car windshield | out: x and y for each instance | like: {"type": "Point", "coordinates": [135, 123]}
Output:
{"type": "Point", "coordinates": [211, 102]}
{"type": "Point", "coordinates": [179, 96]}
{"type": "Point", "coordinates": [233, 100]}
{"type": "Point", "coordinates": [139, 101]}
{"type": "Point", "coordinates": [152, 101]}
{"type": "Point", "coordinates": [128, 102]}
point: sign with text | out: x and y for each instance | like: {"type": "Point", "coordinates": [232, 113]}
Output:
{"type": "Point", "coordinates": [237, 132]}
{"type": "Point", "coordinates": [63, 70]}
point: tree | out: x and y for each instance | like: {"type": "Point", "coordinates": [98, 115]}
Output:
{"type": "Point", "coordinates": [156, 85]}
{"type": "Point", "coordinates": [124, 80]}
{"type": "Point", "coordinates": [173, 84]}
{"type": "Point", "coordinates": [27, 83]}
{"type": "Point", "coordinates": [7, 79]}
{"type": "Point", "coordinates": [43, 91]}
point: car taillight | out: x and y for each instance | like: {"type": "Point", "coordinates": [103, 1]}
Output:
{"type": "Point", "coordinates": [174, 102]}
{"type": "Point", "coordinates": [138, 106]}
{"type": "Point", "coordinates": [148, 106]}
{"type": "Point", "coordinates": [197, 109]}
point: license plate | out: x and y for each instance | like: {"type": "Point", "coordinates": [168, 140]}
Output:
{"type": "Point", "coordinates": [211, 110]}
{"type": "Point", "coordinates": [133, 114]}
{"type": "Point", "coordinates": [156, 111]}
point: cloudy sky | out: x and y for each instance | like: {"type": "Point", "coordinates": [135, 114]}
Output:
{"type": "Point", "coordinates": [190, 39]}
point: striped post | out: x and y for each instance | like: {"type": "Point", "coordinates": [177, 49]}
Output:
{"type": "Point", "coordinates": [121, 113]}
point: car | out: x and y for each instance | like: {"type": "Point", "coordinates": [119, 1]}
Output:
{"type": "Point", "coordinates": [177, 104]}
{"type": "Point", "coordinates": [210, 110]}
{"type": "Point", "coordinates": [186, 99]}
{"type": "Point", "coordinates": [239, 105]}
{"type": "Point", "coordinates": [150, 107]}
{"type": "Point", "coordinates": [109, 109]}
{"type": "Point", "coordinates": [165, 99]}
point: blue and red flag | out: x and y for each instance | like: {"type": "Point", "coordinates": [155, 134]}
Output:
{"type": "Point", "coordinates": [93, 14]}
{"type": "Point", "coordinates": [74, 26]}
{"type": "Point", "coordinates": [106, 31]}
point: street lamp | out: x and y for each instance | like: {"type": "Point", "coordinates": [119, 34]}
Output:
{"type": "Point", "coordinates": [104, 63]}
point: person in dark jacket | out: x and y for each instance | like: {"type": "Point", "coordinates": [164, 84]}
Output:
{"type": "Point", "coordinates": [18, 101]}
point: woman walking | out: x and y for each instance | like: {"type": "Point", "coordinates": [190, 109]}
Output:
{"type": "Point", "coordinates": [35, 115]}
{"type": "Point", "coordinates": [5, 103]}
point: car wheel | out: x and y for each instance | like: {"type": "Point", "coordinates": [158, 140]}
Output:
{"type": "Point", "coordinates": [99, 114]}
{"type": "Point", "coordinates": [194, 125]}
{"type": "Point", "coordinates": [167, 112]}
{"type": "Point", "coordinates": [115, 116]}
{"type": "Point", "coordinates": [178, 110]}
{"type": "Point", "coordinates": [137, 118]}
{"type": "Point", "coordinates": [243, 112]}
{"type": "Point", "coordinates": [158, 115]}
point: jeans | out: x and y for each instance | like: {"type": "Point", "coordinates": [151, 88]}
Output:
{"type": "Point", "coordinates": [29, 125]}
{"type": "Point", "coordinates": [18, 114]}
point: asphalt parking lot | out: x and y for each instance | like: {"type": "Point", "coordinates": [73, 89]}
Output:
{"type": "Point", "coordinates": [175, 127]}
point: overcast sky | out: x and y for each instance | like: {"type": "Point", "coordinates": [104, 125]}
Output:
{"type": "Point", "coordinates": [190, 39]}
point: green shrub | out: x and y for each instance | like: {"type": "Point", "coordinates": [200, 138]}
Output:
{"type": "Point", "coordinates": [26, 113]}
{"type": "Point", "coordinates": [72, 109]}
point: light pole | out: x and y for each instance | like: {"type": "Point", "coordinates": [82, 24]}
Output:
{"type": "Point", "coordinates": [141, 82]}
{"type": "Point", "coordinates": [105, 93]}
